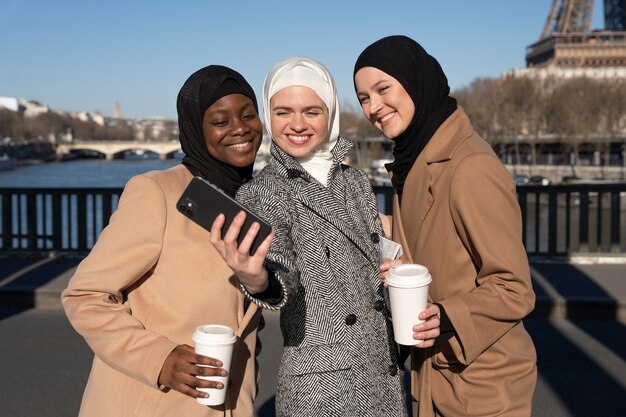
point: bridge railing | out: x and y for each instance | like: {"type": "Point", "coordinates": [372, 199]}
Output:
{"type": "Point", "coordinates": [559, 220]}
{"type": "Point", "coordinates": [564, 220]}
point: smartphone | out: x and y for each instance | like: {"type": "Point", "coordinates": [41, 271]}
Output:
{"type": "Point", "coordinates": [202, 202]}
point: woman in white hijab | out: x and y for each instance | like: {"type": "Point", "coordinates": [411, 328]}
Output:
{"type": "Point", "coordinates": [339, 357]}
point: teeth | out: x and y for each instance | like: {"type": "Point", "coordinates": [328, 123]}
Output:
{"type": "Point", "coordinates": [389, 116]}
{"type": "Point", "coordinates": [298, 138]}
{"type": "Point", "coordinates": [239, 145]}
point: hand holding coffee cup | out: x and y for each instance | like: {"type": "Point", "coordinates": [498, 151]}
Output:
{"type": "Point", "coordinates": [180, 371]}
{"type": "Point", "coordinates": [429, 329]}
{"type": "Point", "coordinates": [215, 341]}
{"type": "Point", "coordinates": [408, 297]}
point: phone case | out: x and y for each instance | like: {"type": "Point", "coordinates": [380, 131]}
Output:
{"type": "Point", "coordinates": [202, 202]}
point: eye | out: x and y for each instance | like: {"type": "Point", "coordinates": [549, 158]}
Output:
{"type": "Point", "coordinates": [313, 113]}
{"type": "Point", "coordinates": [220, 123]}
{"type": "Point", "coordinates": [383, 89]}
{"type": "Point", "coordinates": [281, 113]}
{"type": "Point", "coordinates": [250, 116]}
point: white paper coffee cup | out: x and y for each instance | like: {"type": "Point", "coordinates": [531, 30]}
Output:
{"type": "Point", "coordinates": [215, 341]}
{"type": "Point", "coordinates": [407, 285]}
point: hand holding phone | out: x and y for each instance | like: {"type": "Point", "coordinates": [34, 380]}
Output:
{"type": "Point", "coordinates": [248, 268]}
{"type": "Point", "coordinates": [202, 202]}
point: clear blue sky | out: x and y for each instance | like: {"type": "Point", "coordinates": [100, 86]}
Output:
{"type": "Point", "coordinates": [86, 55]}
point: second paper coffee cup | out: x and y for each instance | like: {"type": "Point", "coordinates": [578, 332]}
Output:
{"type": "Point", "coordinates": [215, 341]}
{"type": "Point", "coordinates": [407, 285]}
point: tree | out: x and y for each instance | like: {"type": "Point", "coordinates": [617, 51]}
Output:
{"type": "Point", "coordinates": [613, 116]}
{"type": "Point", "coordinates": [481, 100]}
{"type": "Point", "coordinates": [573, 111]}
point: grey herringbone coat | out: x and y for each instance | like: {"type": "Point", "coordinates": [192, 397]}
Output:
{"type": "Point", "coordinates": [339, 358]}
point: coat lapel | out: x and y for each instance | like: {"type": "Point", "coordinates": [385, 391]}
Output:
{"type": "Point", "coordinates": [419, 198]}
{"type": "Point", "coordinates": [322, 203]}
{"type": "Point", "coordinates": [417, 204]}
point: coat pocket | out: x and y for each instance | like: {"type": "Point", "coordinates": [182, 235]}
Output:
{"type": "Point", "coordinates": [446, 359]}
{"type": "Point", "coordinates": [315, 359]}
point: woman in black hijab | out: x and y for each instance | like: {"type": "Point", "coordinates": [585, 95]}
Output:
{"type": "Point", "coordinates": [457, 214]}
{"type": "Point", "coordinates": [200, 91]}
{"type": "Point", "coordinates": [153, 277]}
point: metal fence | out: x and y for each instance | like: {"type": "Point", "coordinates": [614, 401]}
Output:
{"type": "Point", "coordinates": [559, 220]}
{"type": "Point", "coordinates": [563, 220]}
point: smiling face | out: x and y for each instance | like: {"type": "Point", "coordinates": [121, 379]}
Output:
{"type": "Point", "coordinates": [299, 120]}
{"type": "Point", "coordinates": [232, 130]}
{"type": "Point", "coordinates": [385, 102]}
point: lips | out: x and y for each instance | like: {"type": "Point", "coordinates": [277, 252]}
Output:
{"type": "Point", "coordinates": [298, 139]}
{"type": "Point", "coordinates": [240, 145]}
{"type": "Point", "coordinates": [386, 118]}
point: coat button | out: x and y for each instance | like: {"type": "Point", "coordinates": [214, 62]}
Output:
{"type": "Point", "coordinates": [350, 319]}
{"type": "Point", "coordinates": [375, 237]}
{"type": "Point", "coordinates": [393, 371]}
{"type": "Point", "coordinates": [327, 252]}
{"type": "Point", "coordinates": [378, 305]}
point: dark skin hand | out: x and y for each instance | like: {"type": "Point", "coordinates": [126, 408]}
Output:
{"type": "Point", "coordinates": [180, 370]}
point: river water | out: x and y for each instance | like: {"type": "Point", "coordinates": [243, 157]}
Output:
{"type": "Point", "coordinates": [86, 173]}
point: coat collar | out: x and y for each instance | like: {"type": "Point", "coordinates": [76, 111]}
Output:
{"type": "Point", "coordinates": [288, 167]}
{"type": "Point", "coordinates": [448, 137]}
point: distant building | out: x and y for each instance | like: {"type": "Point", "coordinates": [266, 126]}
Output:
{"type": "Point", "coordinates": [117, 111]}
{"type": "Point", "coordinates": [10, 103]}
{"type": "Point", "coordinates": [568, 42]}
{"type": "Point", "coordinates": [30, 108]}
{"type": "Point", "coordinates": [155, 129]}
{"type": "Point", "coordinates": [33, 108]}
{"type": "Point", "coordinates": [86, 116]}
{"type": "Point", "coordinates": [615, 15]}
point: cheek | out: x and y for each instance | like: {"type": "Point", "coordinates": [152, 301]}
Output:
{"type": "Point", "coordinates": [275, 126]}
{"type": "Point", "coordinates": [322, 130]}
{"type": "Point", "coordinates": [256, 125]}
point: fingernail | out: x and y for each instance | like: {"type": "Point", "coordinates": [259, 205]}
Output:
{"type": "Point", "coordinates": [220, 385]}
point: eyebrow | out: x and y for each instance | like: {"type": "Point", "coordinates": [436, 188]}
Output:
{"type": "Point", "coordinates": [315, 107]}
{"type": "Point", "coordinates": [376, 84]}
{"type": "Point", "coordinates": [227, 109]}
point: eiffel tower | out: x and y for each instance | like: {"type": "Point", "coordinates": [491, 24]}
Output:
{"type": "Point", "coordinates": [567, 40]}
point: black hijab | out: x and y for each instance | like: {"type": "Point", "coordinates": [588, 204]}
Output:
{"type": "Point", "coordinates": [423, 79]}
{"type": "Point", "coordinates": [203, 88]}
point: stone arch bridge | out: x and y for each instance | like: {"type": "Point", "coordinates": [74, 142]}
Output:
{"type": "Point", "coordinates": [111, 149]}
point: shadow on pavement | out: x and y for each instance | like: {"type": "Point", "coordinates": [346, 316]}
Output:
{"type": "Point", "coordinates": [584, 298]}
{"type": "Point", "coordinates": [610, 334]}
{"type": "Point", "coordinates": [20, 279]}
{"type": "Point", "coordinates": [582, 385]}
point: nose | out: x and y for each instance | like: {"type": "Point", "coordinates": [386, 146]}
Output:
{"type": "Point", "coordinates": [297, 123]}
{"type": "Point", "coordinates": [375, 104]}
{"type": "Point", "coordinates": [239, 127]}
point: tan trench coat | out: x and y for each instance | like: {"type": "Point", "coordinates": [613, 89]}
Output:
{"type": "Point", "coordinates": [150, 280]}
{"type": "Point", "coordinates": [460, 218]}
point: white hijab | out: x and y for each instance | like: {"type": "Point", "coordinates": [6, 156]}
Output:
{"type": "Point", "coordinates": [305, 72]}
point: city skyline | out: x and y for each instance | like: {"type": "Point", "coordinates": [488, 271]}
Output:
{"type": "Point", "coordinates": [78, 57]}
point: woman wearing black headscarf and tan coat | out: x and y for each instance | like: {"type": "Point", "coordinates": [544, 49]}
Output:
{"type": "Point", "coordinates": [152, 277]}
{"type": "Point", "coordinates": [456, 213]}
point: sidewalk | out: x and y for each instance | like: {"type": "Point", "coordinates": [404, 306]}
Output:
{"type": "Point", "coordinates": [564, 290]}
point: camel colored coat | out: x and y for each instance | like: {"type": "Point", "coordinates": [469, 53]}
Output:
{"type": "Point", "coordinates": [150, 280]}
{"type": "Point", "coordinates": [460, 218]}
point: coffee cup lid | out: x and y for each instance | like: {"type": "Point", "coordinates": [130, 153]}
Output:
{"type": "Point", "coordinates": [214, 334]}
{"type": "Point", "coordinates": [408, 276]}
